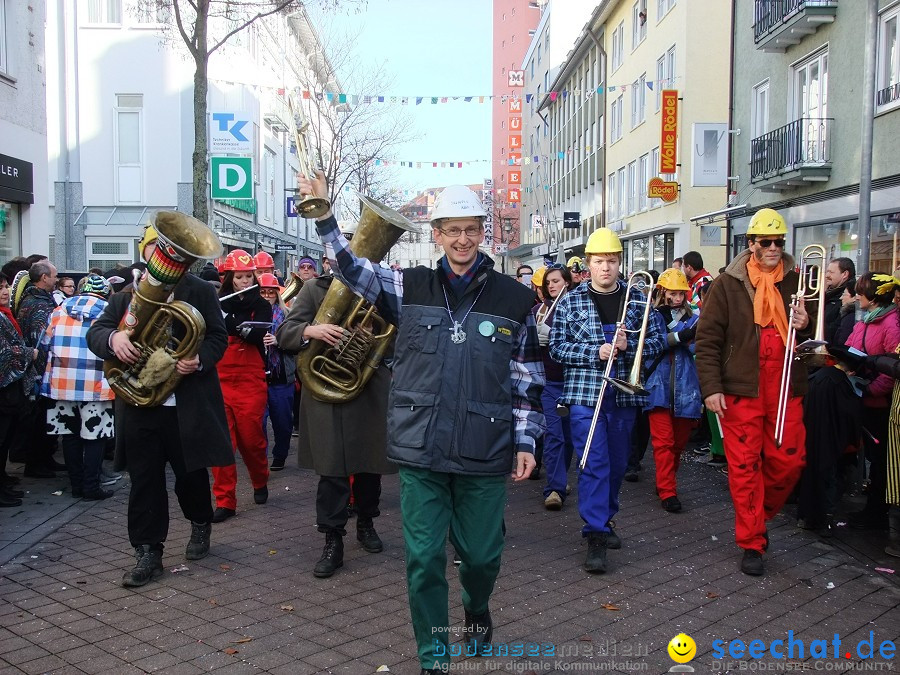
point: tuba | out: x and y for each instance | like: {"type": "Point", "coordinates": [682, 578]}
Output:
{"type": "Point", "coordinates": [292, 287]}
{"type": "Point", "coordinates": [338, 374]}
{"type": "Point", "coordinates": [149, 320]}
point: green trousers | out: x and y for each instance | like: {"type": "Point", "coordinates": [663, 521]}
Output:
{"type": "Point", "coordinates": [471, 509]}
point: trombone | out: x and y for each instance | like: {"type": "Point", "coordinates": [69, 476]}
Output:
{"type": "Point", "coordinates": [811, 286]}
{"type": "Point", "coordinates": [309, 206]}
{"type": "Point", "coordinates": [632, 385]}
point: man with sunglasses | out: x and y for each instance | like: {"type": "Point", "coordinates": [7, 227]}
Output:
{"type": "Point", "coordinates": [306, 268]}
{"type": "Point", "coordinates": [464, 409]}
{"type": "Point", "coordinates": [740, 350]}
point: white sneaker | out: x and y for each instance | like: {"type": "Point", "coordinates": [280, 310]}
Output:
{"type": "Point", "coordinates": [109, 478]}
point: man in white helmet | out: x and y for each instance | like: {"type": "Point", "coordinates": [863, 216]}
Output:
{"type": "Point", "coordinates": [464, 408]}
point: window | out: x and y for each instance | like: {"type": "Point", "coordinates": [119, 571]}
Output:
{"type": "Point", "coordinates": [109, 253]}
{"type": "Point", "coordinates": [810, 81]}
{"type": "Point", "coordinates": [611, 197]}
{"type": "Point", "coordinates": [663, 250]}
{"type": "Point", "coordinates": [4, 66]}
{"type": "Point", "coordinates": [888, 74]}
{"type": "Point", "coordinates": [638, 23]}
{"type": "Point", "coordinates": [638, 100]}
{"type": "Point", "coordinates": [665, 74]}
{"type": "Point", "coordinates": [662, 8]}
{"type": "Point", "coordinates": [615, 118]}
{"type": "Point", "coordinates": [269, 186]}
{"type": "Point", "coordinates": [640, 258]}
{"type": "Point", "coordinates": [150, 13]}
{"type": "Point", "coordinates": [759, 113]}
{"type": "Point", "coordinates": [104, 11]}
{"type": "Point", "coordinates": [632, 187]}
{"type": "Point", "coordinates": [618, 46]}
{"type": "Point", "coordinates": [620, 193]}
{"type": "Point", "coordinates": [128, 149]}
{"type": "Point", "coordinates": [643, 179]}
{"type": "Point", "coordinates": [654, 170]}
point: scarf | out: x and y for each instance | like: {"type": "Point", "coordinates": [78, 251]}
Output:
{"type": "Point", "coordinates": [460, 282]}
{"type": "Point", "coordinates": [875, 314]}
{"type": "Point", "coordinates": [768, 307]}
{"type": "Point", "coordinates": [7, 312]}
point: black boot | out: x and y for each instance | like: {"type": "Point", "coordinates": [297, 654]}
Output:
{"type": "Point", "coordinates": [198, 546]}
{"type": "Point", "coordinates": [893, 546]}
{"type": "Point", "coordinates": [332, 556]}
{"type": "Point", "coordinates": [479, 631]}
{"type": "Point", "coordinates": [595, 563]}
{"type": "Point", "coordinates": [368, 537]}
{"type": "Point", "coordinates": [149, 565]}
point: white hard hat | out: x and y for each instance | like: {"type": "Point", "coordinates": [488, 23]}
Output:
{"type": "Point", "coordinates": [457, 201]}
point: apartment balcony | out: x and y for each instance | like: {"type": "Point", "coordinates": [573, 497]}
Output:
{"type": "Point", "coordinates": [779, 24]}
{"type": "Point", "coordinates": [795, 155]}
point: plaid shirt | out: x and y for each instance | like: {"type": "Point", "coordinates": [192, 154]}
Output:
{"type": "Point", "coordinates": [575, 340]}
{"type": "Point", "coordinates": [384, 288]}
{"type": "Point", "coordinates": [73, 373]}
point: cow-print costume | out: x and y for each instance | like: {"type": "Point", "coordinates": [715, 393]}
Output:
{"type": "Point", "coordinates": [88, 419]}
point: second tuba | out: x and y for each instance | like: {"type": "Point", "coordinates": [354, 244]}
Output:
{"type": "Point", "coordinates": [338, 374]}
{"type": "Point", "coordinates": [150, 318]}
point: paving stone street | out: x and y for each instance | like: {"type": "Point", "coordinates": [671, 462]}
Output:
{"type": "Point", "coordinates": [253, 605]}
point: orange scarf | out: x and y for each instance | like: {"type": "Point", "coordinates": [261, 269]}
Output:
{"type": "Point", "coordinates": [768, 307]}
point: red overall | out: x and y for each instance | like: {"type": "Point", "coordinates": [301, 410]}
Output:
{"type": "Point", "coordinates": [242, 374]}
{"type": "Point", "coordinates": [760, 475]}
{"type": "Point", "coordinates": [670, 434]}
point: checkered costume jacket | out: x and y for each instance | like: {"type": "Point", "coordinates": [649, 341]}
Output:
{"type": "Point", "coordinates": [575, 341]}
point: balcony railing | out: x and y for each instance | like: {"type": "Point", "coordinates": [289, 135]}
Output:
{"type": "Point", "coordinates": [803, 142]}
{"type": "Point", "coordinates": [887, 95]}
{"type": "Point", "coordinates": [770, 14]}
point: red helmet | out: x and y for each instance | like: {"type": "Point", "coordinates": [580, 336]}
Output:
{"type": "Point", "coordinates": [267, 280]}
{"type": "Point", "coordinates": [263, 259]}
{"type": "Point", "coordinates": [239, 260]}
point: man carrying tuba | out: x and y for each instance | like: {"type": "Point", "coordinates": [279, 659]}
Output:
{"type": "Point", "coordinates": [149, 437]}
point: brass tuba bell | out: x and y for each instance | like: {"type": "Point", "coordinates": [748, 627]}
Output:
{"type": "Point", "coordinates": [338, 374]}
{"type": "Point", "coordinates": [150, 319]}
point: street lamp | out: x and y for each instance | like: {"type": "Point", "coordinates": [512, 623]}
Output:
{"type": "Point", "coordinates": [504, 241]}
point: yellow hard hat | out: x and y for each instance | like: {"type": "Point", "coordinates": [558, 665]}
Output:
{"type": "Point", "coordinates": [603, 240]}
{"type": "Point", "coordinates": [538, 277]}
{"type": "Point", "coordinates": [673, 280]}
{"type": "Point", "coordinates": [575, 264]}
{"type": "Point", "coordinates": [766, 222]}
{"type": "Point", "coordinates": [149, 237]}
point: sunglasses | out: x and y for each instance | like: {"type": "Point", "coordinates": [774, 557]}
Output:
{"type": "Point", "coordinates": [307, 266]}
{"type": "Point", "coordinates": [556, 266]}
{"type": "Point", "coordinates": [766, 243]}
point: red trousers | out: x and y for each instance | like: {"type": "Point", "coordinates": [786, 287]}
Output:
{"type": "Point", "coordinates": [243, 379]}
{"type": "Point", "coordinates": [761, 475]}
{"type": "Point", "coordinates": [669, 435]}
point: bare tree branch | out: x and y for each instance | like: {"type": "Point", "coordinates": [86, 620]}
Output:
{"type": "Point", "coordinates": [259, 15]}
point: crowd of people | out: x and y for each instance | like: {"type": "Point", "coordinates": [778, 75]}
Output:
{"type": "Point", "coordinates": [488, 376]}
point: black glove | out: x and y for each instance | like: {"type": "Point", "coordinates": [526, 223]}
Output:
{"type": "Point", "coordinates": [850, 359]}
{"type": "Point", "coordinates": [687, 334]}
{"type": "Point", "coordinates": [886, 364]}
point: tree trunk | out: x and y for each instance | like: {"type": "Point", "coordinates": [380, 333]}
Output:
{"type": "Point", "coordinates": [199, 159]}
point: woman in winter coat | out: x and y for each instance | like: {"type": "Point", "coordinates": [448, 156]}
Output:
{"type": "Point", "coordinates": [242, 372]}
{"type": "Point", "coordinates": [675, 405]}
{"type": "Point", "coordinates": [556, 281]}
{"type": "Point", "coordinates": [877, 333]}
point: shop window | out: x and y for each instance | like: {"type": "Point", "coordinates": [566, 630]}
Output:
{"type": "Point", "coordinates": [10, 242]}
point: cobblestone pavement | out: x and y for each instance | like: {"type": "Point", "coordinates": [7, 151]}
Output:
{"type": "Point", "coordinates": [253, 605]}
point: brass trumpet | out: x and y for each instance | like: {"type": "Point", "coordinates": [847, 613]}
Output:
{"type": "Point", "coordinates": [309, 206]}
{"type": "Point", "coordinates": [633, 384]}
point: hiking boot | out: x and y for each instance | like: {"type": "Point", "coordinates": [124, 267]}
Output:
{"type": "Point", "coordinates": [222, 514]}
{"type": "Point", "coordinates": [368, 537]}
{"type": "Point", "coordinates": [671, 504]}
{"type": "Point", "coordinates": [553, 502]}
{"type": "Point", "coordinates": [752, 563]}
{"type": "Point", "coordinates": [198, 546]}
{"type": "Point", "coordinates": [612, 540]}
{"type": "Point", "coordinates": [479, 630]}
{"type": "Point", "coordinates": [332, 556]}
{"type": "Point", "coordinates": [149, 566]}
{"type": "Point", "coordinates": [261, 495]}
{"type": "Point", "coordinates": [595, 563]}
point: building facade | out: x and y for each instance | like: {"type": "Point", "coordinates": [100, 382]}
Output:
{"type": "Point", "coordinates": [24, 227]}
{"type": "Point", "coordinates": [120, 145]}
{"type": "Point", "coordinates": [798, 100]}
{"type": "Point", "coordinates": [605, 109]}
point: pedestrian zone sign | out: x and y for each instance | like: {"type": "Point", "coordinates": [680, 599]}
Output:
{"type": "Point", "coordinates": [232, 177]}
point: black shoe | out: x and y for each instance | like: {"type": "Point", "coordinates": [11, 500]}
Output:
{"type": "Point", "coordinates": [149, 566]}
{"type": "Point", "coordinates": [261, 495]}
{"type": "Point", "coordinates": [222, 514]}
{"type": "Point", "coordinates": [671, 504]}
{"type": "Point", "coordinates": [597, 542]}
{"type": "Point", "coordinates": [631, 476]}
{"type": "Point", "coordinates": [96, 495]}
{"type": "Point", "coordinates": [717, 460]}
{"type": "Point", "coordinates": [8, 491]}
{"type": "Point", "coordinates": [613, 540]}
{"type": "Point", "coordinates": [368, 537]}
{"type": "Point", "coordinates": [479, 630]}
{"type": "Point", "coordinates": [198, 546]}
{"type": "Point", "coordinates": [752, 563]}
{"type": "Point", "coordinates": [277, 464]}
{"type": "Point", "coordinates": [6, 502]}
{"type": "Point", "coordinates": [77, 493]}
{"type": "Point", "coordinates": [38, 472]}
{"type": "Point", "coordinates": [826, 530]}
{"type": "Point", "coordinates": [10, 480]}
{"type": "Point", "coordinates": [332, 556]}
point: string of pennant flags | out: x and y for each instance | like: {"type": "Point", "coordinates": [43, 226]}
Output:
{"type": "Point", "coordinates": [522, 161]}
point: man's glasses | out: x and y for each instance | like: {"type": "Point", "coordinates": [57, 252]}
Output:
{"type": "Point", "coordinates": [307, 266]}
{"type": "Point", "coordinates": [766, 243]}
{"type": "Point", "coordinates": [454, 232]}
{"type": "Point", "coordinates": [268, 291]}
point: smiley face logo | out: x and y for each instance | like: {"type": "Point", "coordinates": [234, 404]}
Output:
{"type": "Point", "coordinates": [682, 648]}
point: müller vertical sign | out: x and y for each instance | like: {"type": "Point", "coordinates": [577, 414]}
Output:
{"type": "Point", "coordinates": [668, 142]}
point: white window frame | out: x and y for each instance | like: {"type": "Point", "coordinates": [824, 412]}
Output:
{"type": "Point", "coordinates": [4, 62]}
{"type": "Point", "coordinates": [663, 7]}
{"type": "Point", "coordinates": [665, 74]}
{"type": "Point", "coordinates": [798, 108]}
{"type": "Point", "coordinates": [654, 170]}
{"type": "Point", "coordinates": [125, 258]}
{"type": "Point", "coordinates": [759, 115]}
{"type": "Point", "coordinates": [618, 46]}
{"type": "Point", "coordinates": [884, 79]}
{"type": "Point", "coordinates": [638, 100]}
{"type": "Point", "coordinates": [117, 161]}
{"type": "Point", "coordinates": [105, 15]}
{"type": "Point", "coordinates": [611, 196]}
{"type": "Point", "coordinates": [643, 179]}
{"type": "Point", "coordinates": [620, 192]}
{"type": "Point", "coordinates": [638, 29]}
